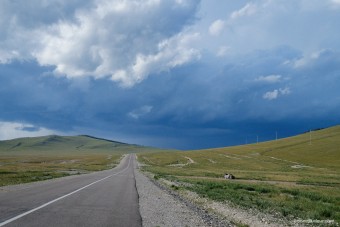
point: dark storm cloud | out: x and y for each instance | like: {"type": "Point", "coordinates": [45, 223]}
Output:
{"type": "Point", "coordinates": [154, 73]}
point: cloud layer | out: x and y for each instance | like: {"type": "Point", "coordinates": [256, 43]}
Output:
{"type": "Point", "coordinates": [10, 130]}
{"type": "Point", "coordinates": [123, 40]}
{"type": "Point", "coordinates": [226, 71]}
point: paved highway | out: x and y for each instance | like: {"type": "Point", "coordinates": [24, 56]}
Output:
{"type": "Point", "coordinates": [106, 198]}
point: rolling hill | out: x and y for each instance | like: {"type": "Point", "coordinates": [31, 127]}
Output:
{"type": "Point", "coordinates": [40, 158]}
{"type": "Point", "coordinates": [315, 150]}
{"type": "Point", "coordinates": [67, 144]}
{"type": "Point", "coordinates": [295, 178]}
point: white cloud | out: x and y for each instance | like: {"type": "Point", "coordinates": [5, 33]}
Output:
{"type": "Point", "coordinates": [124, 40]}
{"type": "Point", "coordinates": [335, 4]}
{"type": "Point", "coordinates": [171, 53]}
{"type": "Point", "coordinates": [248, 10]}
{"type": "Point", "coordinates": [216, 27]}
{"type": "Point", "coordinates": [284, 91]}
{"type": "Point", "coordinates": [222, 51]}
{"type": "Point", "coordinates": [271, 95]}
{"type": "Point", "coordinates": [11, 130]}
{"type": "Point", "coordinates": [307, 59]}
{"type": "Point", "coordinates": [264, 24]}
{"type": "Point", "coordinates": [269, 79]}
{"type": "Point", "coordinates": [6, 56]}
{"type": "Point", "coordinates": [137, 113]}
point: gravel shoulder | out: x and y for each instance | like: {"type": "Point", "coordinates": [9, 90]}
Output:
{"type": "Point", "coordinates": [160, 206]}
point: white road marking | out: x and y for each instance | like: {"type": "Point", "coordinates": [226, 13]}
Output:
{"type": "Point", "coordinates": [60, 198]}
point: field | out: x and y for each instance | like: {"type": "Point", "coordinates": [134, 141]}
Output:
{"type": "Point", "coordinates": [33, 159]}
{"type": "Point", "coordinates": [292, 178]}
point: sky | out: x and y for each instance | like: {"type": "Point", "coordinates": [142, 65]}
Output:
{"type": "Point", "coordinates": [181, 74]}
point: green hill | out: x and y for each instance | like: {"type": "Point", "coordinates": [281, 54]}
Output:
{"type": "Point", "coordinates": [315, 151]}
{"type": "Point", "coordinates": [319, 148]}
{"type": "Point", "coordinates": [66, 144]}
{"type": "Point", "coordinates": [39, 158]}
{"type": "Point", "coordinates": [297, 177]}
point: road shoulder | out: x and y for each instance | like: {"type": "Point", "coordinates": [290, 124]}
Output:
{"type": "Point", "coordinates": [158, 208]}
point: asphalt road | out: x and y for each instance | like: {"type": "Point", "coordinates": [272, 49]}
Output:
{"type": "Point", "coordinates": [106, 198]}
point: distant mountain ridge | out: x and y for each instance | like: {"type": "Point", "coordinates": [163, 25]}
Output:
{"type": "Point", "coordinates": [55, 143]}
{"type": "Point", "coordinates": [93, 137]}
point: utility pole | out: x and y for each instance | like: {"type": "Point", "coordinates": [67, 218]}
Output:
{"type": "Point", "coordinates": [257, 139]}
{"type": "Point", "coordinates": [310, 137]}
{"type": "Point", "coordinates": [276, 135]}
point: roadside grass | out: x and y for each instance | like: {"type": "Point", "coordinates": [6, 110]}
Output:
{"type": "Point", "coordinates": [16, 169]}
{"type": "Point", "coordinates": [288, 202]}
{"type": "Point", "coordinates": [291, 176]}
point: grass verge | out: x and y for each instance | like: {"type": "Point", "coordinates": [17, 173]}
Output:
{"type": "Point", "coordinates": [17, 169]}
{"type": "Point", "coordinates": [290, 203]}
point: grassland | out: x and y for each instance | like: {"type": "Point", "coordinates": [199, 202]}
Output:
{"type": "Point", "coordinates": [292, 177]}
{"type": "Point", "coordinates": [33, 159]}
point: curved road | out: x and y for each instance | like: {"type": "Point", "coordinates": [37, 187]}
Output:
{"type": "Point", "coordinates": [106, 198]}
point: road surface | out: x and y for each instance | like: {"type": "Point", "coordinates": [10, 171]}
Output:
{"type": "Point", "coordinates": [106, 198]}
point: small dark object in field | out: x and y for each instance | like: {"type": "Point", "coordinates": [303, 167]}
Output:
{"type": "Point", "coordinates": [229, 176]}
